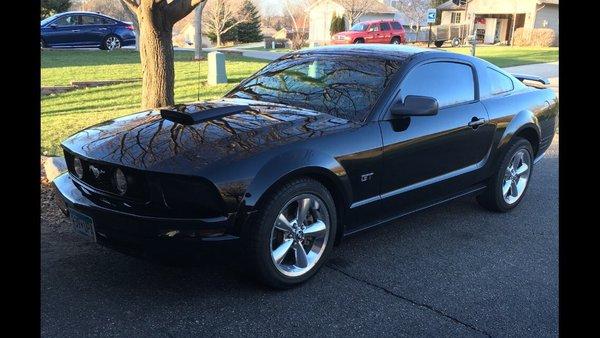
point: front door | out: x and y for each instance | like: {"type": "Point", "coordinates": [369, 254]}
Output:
{"type": "Point", "coordinates": [434, 156]}
{"type": "Point", "coordinates": [63, 31]}
{"type": "Point", "coordinates": [373, 33]}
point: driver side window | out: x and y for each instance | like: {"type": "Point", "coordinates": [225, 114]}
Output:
{"type": "Point", "coordinates": [449, 82]}
{"type": "Point", "coordinates": [67, 20]}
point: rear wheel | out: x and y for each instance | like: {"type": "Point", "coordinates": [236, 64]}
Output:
{"type": "Point", "coordinates": [395, 41]}
{"type": "Point", "coordinates": [439, 44]}
{"type": "Point", "coordinates": [359, 40]}
{"type": "Point", "coordinates": [293, 234]}
{"type": "Point", "coordinates": [508, 186]}
{"type": "Point", "coordinates": [455, 42]}
{"type": "Point", "coordinates": [111, 42]}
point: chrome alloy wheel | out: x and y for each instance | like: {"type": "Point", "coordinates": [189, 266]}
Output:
{"type": "Point", "coordinates": [112, 42]}
{"type": "Point", "coordinates": [516, 176]}
{"type": "Point", "coordinates": [299, 235]}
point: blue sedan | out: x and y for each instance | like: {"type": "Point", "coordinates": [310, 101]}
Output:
{"type": "Point", "coordinates": [86, 29]}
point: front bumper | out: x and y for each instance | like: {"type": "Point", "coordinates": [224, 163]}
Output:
{"type": "Point", "coordinates": [131, 232]}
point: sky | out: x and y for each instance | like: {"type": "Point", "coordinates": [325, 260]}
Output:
{"type": "Point", "coordinates": [271, 6]}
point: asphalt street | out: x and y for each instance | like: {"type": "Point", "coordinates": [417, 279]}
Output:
{"type": "Point", "coordinates": [455, 269]}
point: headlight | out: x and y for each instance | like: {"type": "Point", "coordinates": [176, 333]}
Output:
{"type": "Point", "coordinates": [78, 167]}
{"type": "Point", "coordinates": [120, 182]}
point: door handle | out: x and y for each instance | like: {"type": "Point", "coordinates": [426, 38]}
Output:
{"type": "Point", "coordinates": [476, 122]}
{"type": "Point", "coordinates": [75, 30]}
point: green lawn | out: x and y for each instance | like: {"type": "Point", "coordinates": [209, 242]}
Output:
{"type": "Point", "coordinates": [66, 113]}
{"type": "Point", "coordinates": [507, 56]}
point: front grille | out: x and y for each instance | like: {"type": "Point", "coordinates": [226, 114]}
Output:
{"type": "Point", "coordinates": [100, 176]}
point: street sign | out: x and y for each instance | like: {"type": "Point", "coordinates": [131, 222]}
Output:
{"type": "Point", "coordinates": [431, 13]}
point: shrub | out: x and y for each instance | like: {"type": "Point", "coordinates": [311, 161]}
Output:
{"type": "Point", "coordinates": [537, 37]}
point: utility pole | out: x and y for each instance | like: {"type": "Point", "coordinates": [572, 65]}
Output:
{"type": "Point", "coordinates": [198, 32]}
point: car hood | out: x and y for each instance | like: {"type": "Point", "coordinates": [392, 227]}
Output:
{"type": "Point", "coordinates": [147, 141]}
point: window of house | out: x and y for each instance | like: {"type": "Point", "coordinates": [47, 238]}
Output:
{"type": "Point", "coordinates": [456, 16]}
{"type": "Point", "coordinates": [499, 83]}
{"type": "Point", "coordinates": [448, 82]}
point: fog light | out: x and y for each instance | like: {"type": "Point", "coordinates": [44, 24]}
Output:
{"type": "Point", "coordinates": [120, 182]}
{"type": "Point", "coordinates": [78, 167]}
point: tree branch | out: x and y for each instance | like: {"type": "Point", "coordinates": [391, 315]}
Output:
{"type": "Point", "coordinates": [131, 4]}
{"type": "Point", "coordinates": [178, 9]}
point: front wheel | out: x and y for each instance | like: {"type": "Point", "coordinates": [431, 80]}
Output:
{"type": "Point", "coordinates": [293, 234]}
{"type": "Point", "coordinates": [395, 41]}
{"type": "Point", "coordinates": [357, 41]}
{"type": "Point", "coordinates": [439, 44]}
{"type": "Point", "coordinates": [509, 184]}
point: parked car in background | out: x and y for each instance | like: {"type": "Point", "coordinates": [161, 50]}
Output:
{"type": "Point", "coordinates": [86, 29]}
{"type": "Point", "coordinates": [378, 31]}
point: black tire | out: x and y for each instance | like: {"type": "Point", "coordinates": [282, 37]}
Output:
{"type": "Point", "coordinates": [105, 42]}
{"type": "Point", "coordinates": [396, 41]}
{"type": "Point", "coordinates": [492, 198]}
{"type": "Point", "coordinates": [439, 44]}
{"type": "Point", "coordinates": [359, 40]}
{"type": "Point", "coordinates": [257, 235]}
{"type": "Point", "coordinates": [455, 42]}
{"type": "Point", "coordinates": [42, 44]}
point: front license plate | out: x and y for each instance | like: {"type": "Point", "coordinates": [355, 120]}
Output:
{"type": "Point", "coordinates": [83, 225]}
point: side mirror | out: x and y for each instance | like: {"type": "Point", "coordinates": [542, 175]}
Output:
{"type": "Point", "coordinates": [415, 105]}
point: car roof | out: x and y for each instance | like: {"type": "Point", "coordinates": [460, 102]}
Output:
{"type": "Point", "coordinates": [377, 50]}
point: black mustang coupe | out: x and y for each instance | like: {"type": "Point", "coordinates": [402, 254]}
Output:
{"type": "Point", "coordinates": [317, 145]}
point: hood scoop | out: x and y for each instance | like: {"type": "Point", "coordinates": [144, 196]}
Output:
{"type": "Point", "coordinates": [192, 114]}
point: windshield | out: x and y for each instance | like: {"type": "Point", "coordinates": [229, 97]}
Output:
{"type": "Point", "coordinates": [46, 20]}
{"type": "Point", "coordinates": [360, 27]}
{"type": "Point", "coordinates": [342, 86]}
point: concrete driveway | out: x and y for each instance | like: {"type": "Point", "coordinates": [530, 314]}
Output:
{"type": "Point", "coordinates": [455, 270]}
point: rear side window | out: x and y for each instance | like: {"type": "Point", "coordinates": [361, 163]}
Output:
{"type": "Point", "coordinates": [449, 82]}
{"type": "Point", "coordinates": [396, 25]}
{"type": "Point", "coordinates": [499, 83]}
{"type": "Point", "coordinates": [90, 20]}
{"type": "Point", "coordinates": [385, 26]}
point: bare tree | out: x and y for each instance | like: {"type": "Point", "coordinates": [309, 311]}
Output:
{"type": "Point", "coordinates": [356, 8]}
{"type": "Point", "coordinates": [414, 10]}
{"type": "Point", "coordinates": [156, 19]}
{"type": "Point", "coordinates": [296, 11]}
{"type": "Point", "coordinates": [220, 16]}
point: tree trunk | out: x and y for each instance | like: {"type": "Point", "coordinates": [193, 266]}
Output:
{"type": "Point", "coordinates": [156, 54]}
{"type": "Point", "coordinates": [198, 32]}
{"type": "Point", "coordinates": [218, 34]}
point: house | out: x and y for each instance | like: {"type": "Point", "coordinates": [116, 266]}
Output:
{"type": "Point", "coordinates": [185, 37]}
{"type": "Point", "coordinates": [496, 20]}
{"type": "Point", "coordinates": [321, 12]}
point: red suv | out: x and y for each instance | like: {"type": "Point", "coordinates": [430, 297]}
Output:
{"type": "Point", "coordinates": [377, 31]}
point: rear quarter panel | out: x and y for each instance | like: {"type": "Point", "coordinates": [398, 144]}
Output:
{"type": "Point", "coordinates": [527, 108]}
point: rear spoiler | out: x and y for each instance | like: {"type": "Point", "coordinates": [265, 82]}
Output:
{"type": "Point", "coordinates": [523, 77]}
